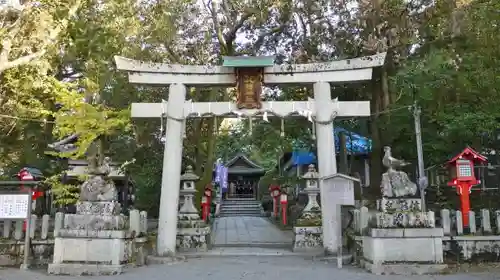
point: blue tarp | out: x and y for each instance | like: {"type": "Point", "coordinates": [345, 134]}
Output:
{"type": "Point", "coordinates": [356, 144]}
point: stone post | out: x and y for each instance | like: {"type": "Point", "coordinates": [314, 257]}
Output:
{"type": "Point", "coordinates": [171, 173]}
{"type": "Point", "coordinates": [327, 164]}
{"type": "Point", "coordinates": [188, 191]}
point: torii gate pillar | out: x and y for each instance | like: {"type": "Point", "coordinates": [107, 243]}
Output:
{"type": "Point", "coordinates": [327, 164]}
{"type": "Point", "coordinates": [171, 172]}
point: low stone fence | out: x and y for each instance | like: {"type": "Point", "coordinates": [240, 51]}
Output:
{"type": "Point", "coordinates": [479, 240]}
{"type": "Point", "coordinates": [42, 232]}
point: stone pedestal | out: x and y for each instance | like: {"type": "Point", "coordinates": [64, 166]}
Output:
{"type": "Point", "coordinates": [94, 241]}
{"type": "Point", "coordinates": [404, 251]}
{"type": "Point", "coordinates": [192, 235]}
{"type": "Point", "coordinates": [402, 213]}
{"type": "Point", "coordinates": [308, 239]}
{"type": "Point", "coordinates": [404, 240]}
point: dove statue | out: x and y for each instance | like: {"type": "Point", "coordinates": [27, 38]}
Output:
{"type": "Point", "coordinates": [390, 162]}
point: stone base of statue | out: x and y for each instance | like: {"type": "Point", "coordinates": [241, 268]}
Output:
{"type": "Point", "coordinates": [397, 184]}
{"type": "Point", "coordinates": [403, 251]}
{"type": "Point", "coordinates": [94, 241]}
{"type": "Point", "coordinates": [308, 233]}
{"type": "Point", "coordinates": [403, 239]}
{"type": "Point", "coordinates": [193, 234]}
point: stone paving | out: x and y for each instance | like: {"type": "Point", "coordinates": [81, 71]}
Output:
{"type": "Point", "coordinates": [232, 263]}
{"type": "Point", "coordinates": [251, 268]}
{"type": "Point", "coordinates": [249, 231]}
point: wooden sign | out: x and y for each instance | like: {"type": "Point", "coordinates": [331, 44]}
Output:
{"type": "Point", "coordinates": [249, 88]}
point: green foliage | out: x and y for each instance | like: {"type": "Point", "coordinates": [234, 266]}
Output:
{"type": "Point", "coordinates": [63, 54]}
{"type": "Point", "coordinates": [64, 194]}
{"type": "Point", "coordinates": [147, 178]}
{"type": "Point", "coordinates": [457, 87]}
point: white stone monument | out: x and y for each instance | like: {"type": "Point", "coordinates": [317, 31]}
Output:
{"type": "Point", "coordinates": [96, 240]}
{"type": "Point", "coordinates": [249, 80]}
{"type": "Point", "coordinates": [403, 238]}
{"type": "Point", "coordinates": [337, 190]}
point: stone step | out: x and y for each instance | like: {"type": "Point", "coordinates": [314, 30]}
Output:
{"type": "Point", "coordinates": [278, 245]}
{"type": "Point", "coordinates": [253, 209]}
{"type": "Point", "coordinates": [236, 207]}
{"type": "Point", "coordinates": [245, 212]}
{"type": "Point", "coordinates": [239, 206]}
{"type": "Point", "coordinates": [241, 215]}
{"type": "Point", "coordinates": [240, 202]}
{"type": "Point", "coordinates": [242, 212]}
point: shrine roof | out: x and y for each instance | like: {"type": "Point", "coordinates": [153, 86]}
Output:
{"type": "Point", "coordinates": [66, 144]}
{"type": "Point", "coordinates": [467, 151]}
{"type": "Point", "coordinates": [248, 61]}
{"type": "Point", "coordinates": [240, 164]}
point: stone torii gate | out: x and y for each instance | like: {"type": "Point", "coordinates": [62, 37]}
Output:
{"type": "Point", "coordinates": [248, 74]}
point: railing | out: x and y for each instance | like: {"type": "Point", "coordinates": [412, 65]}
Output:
{"type": "Point", "coordinates": [489, 175]}
{"type": "Point", "coordinates": [479, 240]}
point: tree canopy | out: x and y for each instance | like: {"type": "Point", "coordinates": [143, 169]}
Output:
{"type": "Point", "coordinates": [57, 76]}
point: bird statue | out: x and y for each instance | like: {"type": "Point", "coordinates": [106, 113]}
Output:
{"type": "Point", "coordinates": [390, 162]}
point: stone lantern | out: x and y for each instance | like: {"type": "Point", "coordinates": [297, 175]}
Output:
{"type": "Point", "coordinates": [312, 189]}
{"type": "Point", "coordinates": [188, 191]}
{"type": "Point", "coordinates": [308, 230]}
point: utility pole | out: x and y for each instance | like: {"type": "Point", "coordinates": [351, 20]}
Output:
{"type": "Point", "coordinates": [422, 179]}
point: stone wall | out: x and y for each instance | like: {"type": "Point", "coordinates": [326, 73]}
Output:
{"type": "Point", "coordinates": [12, 252]}
{"type": "Point", "coordinates": [42, 232]}
{"type": "Point", "coordinates": [479, 240]}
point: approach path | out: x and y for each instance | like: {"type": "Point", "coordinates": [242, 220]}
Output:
{"type": "Point", "coordinates": [248, 268]}
{"type": "Point", "coordinates": [249, 232]}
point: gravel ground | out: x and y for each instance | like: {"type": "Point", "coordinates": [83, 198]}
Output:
{"type": "Point", "coordinates": [251, 268]}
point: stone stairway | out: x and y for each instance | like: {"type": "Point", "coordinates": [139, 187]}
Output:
{"type": "Point", "coordinates": [241, 207]}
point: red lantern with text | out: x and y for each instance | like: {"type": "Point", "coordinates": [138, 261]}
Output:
{"type": "Point", "coordinates": [284, 203]}
{"type": "Point", "coordinates": [206, 201]}
{"type": "Point", "coordinates": [463, 178]}
{"type": "Point", "coordinates": [275, 192]}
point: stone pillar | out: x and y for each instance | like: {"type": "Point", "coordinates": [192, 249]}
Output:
{"type": "Point", "coordinates": [171, 173]}
{"type": "Point", "coordinates": [327, 164]}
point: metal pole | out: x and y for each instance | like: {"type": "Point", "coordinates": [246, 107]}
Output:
{"type": "Point", "coordinates": [422, 180]}
{"type": "Point", "coordinates": [27, 235]}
